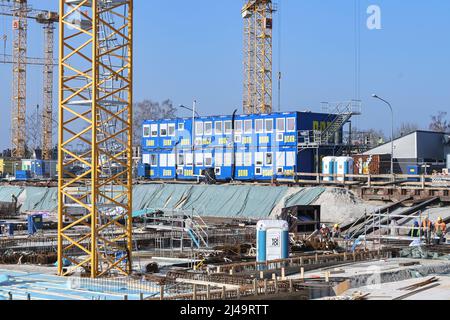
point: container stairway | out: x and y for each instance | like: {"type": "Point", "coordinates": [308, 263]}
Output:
{"type": "Point", "coordinates": [340, 114]}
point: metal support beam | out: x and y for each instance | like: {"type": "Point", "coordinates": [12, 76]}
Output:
{"type": "Point", "coordinates": [95, 132]}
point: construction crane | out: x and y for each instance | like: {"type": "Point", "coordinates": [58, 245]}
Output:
{"type": "Point", "coordinates": [258, 23]}
{"type": "Point", "coordinates": [21, 12]}
{"type": "Point", "coordinates": [95, 114]}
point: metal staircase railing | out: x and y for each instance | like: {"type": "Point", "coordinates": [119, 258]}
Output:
{"type": "Point", "coordinates": [339, 115]}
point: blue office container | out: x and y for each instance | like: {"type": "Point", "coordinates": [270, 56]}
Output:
{"type": "Point", "coordinates": [144, 171]}
{"type": "Point", "coordinates": [413, 170]}
{"type": "Point", "coordinates": [38, 168]}
{"type": "Point", "coordinates": [22, 175]}
{"type": "Point", "coordinates": [35, 223]}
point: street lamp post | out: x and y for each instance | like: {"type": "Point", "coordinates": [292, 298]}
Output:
{"type": "Point", "coordinates": [392, 131]}
{"type": "Point", "coordinates": [194, 113]}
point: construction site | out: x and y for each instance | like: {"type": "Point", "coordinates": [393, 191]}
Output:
{"type": "Point", "coordinates": [250, 204]}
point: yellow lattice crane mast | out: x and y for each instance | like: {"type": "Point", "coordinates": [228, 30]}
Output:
{"type": "Point", "coordinates": [258, 23]}
{"type": "Point", "coordinates": [95, 137]}
{"type": "Point", "coordinates": [19, 95]}
{"type": "Point", "coordinates": [48, 19]}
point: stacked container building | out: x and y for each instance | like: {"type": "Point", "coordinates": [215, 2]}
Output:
{"type": "Point", "coordinates": [250, 148]}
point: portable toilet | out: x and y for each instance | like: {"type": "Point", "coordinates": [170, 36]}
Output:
{"type": "Point", "coordinates": [328, 164]}
{"type": "Point", "coordinates": [344, 165]}
{"type": "Point", "coordinates": [272, 240]}
{"type": "Point", "coordinates": [35, 223]}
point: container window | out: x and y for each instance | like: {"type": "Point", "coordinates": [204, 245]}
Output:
{"type": "Point", "coordinates": [228, 127]}
{"type": "Point", "coordinates": [171, 160]}
{"type": "Point", "coordinates": [259, 157]}
{"type": "Point", "coordinates": [153, 160]}
{"type": "Point", "coordinates": [281, 125]}
{"type": "Point", "coordinates": [199, 159]}
{"type": "Point", "coordinates": [227, 159]}
{"type": "Point", "coordinates": [239, 159]}
{"type": "Point", "coordinates": [248, 159]}
{"type": "Point", "coordinates": [163, 160]}
{"type": "Point", "coordinates": [218, 159]}
{"type": "Point", "coordinates": [181, 160]}
{"type": "Point", "coordinates": [154, 130]}
{"type": "Point", "coordinates": [290, 159]}
{"type": "Point", "coordinates": [238, 126]}
{"type": "Point", "coordinates": [290, 123]}
{"type": "Point", "coordinates": [208, 159]}
{"type": "Point", "coordinates": [199, 128]}
{"type": "Point", "coordinates": [248, 128]}
{"type": "Point", "coordinates": [171, 129]}
{"type": "Point", "coordinates": [181, 126]}
{"type": "Point", "coordinates": [208, 128]}
{"type": "Point", "coordinates": [269, 125]}
{"type": "Point", "coordinates": [146, 131]}
{"type": "Point", "coordinates": [189, 159]}
{"type": "Point", "coordinates": [218, 127]}
{"type": "Point", "coordinates": [269, 158]}
{"type": "Point", "coordinates": [258, 171]}
{"type": "Point", "coordinates": [237, 139]}
{"type": "Point", "coordinates": [259, 126]}
{"type": "Point", "coordinates": [163, 130]}
{"type": "Point", "coordinates": [281, 159]}
{"type": "Point", "coordinates": [146, 159]}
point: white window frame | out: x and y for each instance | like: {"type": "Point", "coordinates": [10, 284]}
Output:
{"type": "Point", "coordinates": [266, 157]}
{"type": "Point", "coordinates": [290, 159]}
{"type": "Point", "coordinates": [265, 125]}
{"type": "Point", "coordinates": [154, 160]}
{"type": "Point", "coordinates": [199, 128]}
{"type": "Point", "coordinates": [238, 126]}
{"type": "Point", "coordinates": [198, 157]}
{"type": "Point", "coordinates": [181, 126]}
{"type": "Point", "coordinates": [206, 157]}
{"type": "Point", "coordinates": [147, 126]}
{"type": "Point", "coordinates": [218, 159]}
{"type": "Point", "coordinates": [259, 158]}
{"type": "Point", "coordinates": [239, 159]}
{"type": "Point", "coordinates": [163, 157]}
{"type": "Point", "coordinates": [246, 130]}
{"type": "Point", "coordinates": [258, 169]}
{"type": "Point", "coordinates": [189, 159]}
{"type": "Point", "coordinates": [230, 123]}
{"type": "Point", "coordinates": [279, 137]}
{"type": "Point", "coordinates": [171, 160]}
{"type": "Point", "coordinates": [248, 159]}
{"type": "Point", "coordinates": [163, 126]}
{"type": "Point", "coordinates": [281, 159]}
{"type": "Point", "coordinates": [227, 159]}
{"type": "Point", "coordinates": [237, 139]}
{"type": "Point", "coordinates": [261, 121]}
{"type": "Point", "coordinates": [204, 128]}
{"type": "Point", "coordinates": [146, 158]}
{"type": "Point", "coordinates": [287, 124]}
{"type": "Point", "coordinates": [216, 131]}
{"type": "Point", "coordinates": [154, 129]}
{"type": "Point", "coordinates": [181, 161]}
{"type": "Point", "coordinates": [283, 121]}
{"type": "Point", "coordinates": [169, 126]}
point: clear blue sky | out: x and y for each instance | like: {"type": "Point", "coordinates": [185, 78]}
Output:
{"type": "Point", "coordinates": [193, 49]}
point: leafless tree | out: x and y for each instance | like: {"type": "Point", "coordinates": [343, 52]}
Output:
{"type": "Point", "coordinates": [405, 129]}
{"type": "Point", "coordinates": [150, 110]}
{"type": "Point", "coordinates": [439, 123]}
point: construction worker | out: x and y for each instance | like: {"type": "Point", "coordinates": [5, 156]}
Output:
{"type": "Point", "coordinates": [426, 229]}
{"type": "Point", "coordinates": [336, 232]}
{"type": "Point", "coordinates": [440, 229]}
{"type": "Point", "coordinates": [414, 233]}
{"type": "Point", "coordinates": [324, 233]}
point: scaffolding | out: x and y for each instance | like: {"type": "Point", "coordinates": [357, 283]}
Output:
{"type": "Point", "coordinates": [95, 137]}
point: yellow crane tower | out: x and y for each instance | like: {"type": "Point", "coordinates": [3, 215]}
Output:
{"type": "Point", "coordinates": [258, 23]}
{"type": "Point", "coordinates": [21, 12]}
{"type": "Point", "coordinates": [95, 137]}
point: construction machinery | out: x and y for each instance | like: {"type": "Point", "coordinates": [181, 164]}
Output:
{"type": "Point", "coordinates": [95, 114]}
{"type": "Point", "coordinates": [21, 12]}
{"type": "Point", "coordinates": [258, 24]}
